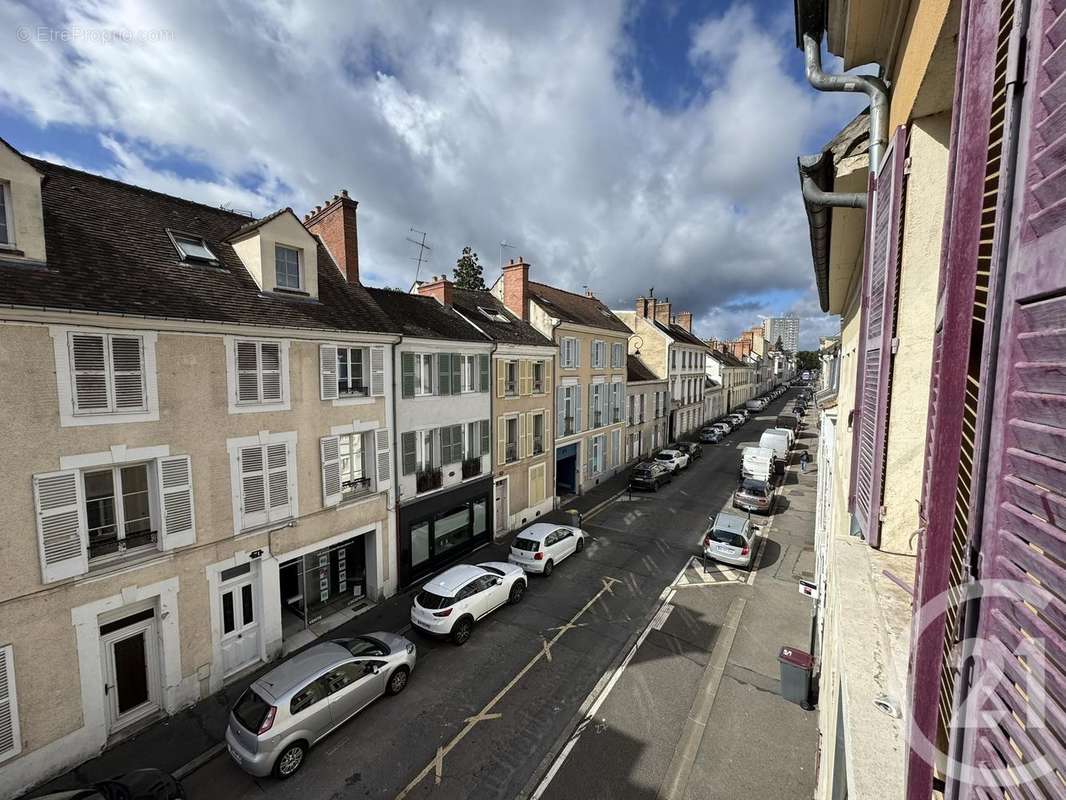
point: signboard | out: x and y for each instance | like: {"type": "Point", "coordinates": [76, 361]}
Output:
{"type": "Point", "coordinates": [809, 589]}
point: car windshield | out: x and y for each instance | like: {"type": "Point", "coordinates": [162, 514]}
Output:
{"type": "Point", "coordinates": [753, 487]}
{"type": "Point", "coordinates": [251, 710]}
{"type": "Point", "coordinates": [493, 570]}
{"type": "Point", "coordinates": [366, 646]}
{"type": "Point", "coordinates": [664, 457]}
{"type": "Point", "coordinates": [728, 537]}
{"type": "Point", "coordinates": [526, 544]}
{"type": "Point", "coordinates": [427, 599]}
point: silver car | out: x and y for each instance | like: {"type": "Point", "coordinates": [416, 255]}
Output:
{"type": "Point", "coordinates": [729, 539]}
{"type": "Point", "coordinates": [296, 704]}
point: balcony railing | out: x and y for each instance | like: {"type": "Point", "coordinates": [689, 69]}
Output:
{"type": "Point", "coordinates": [106, 544]}
{"type": "Point", "coordinates": [471, 467]}
{"type": "Point", "coordinates": [356, 487]}
{"type": "Point", "coordinates": [538, 444]}
{"type": "Point", "coordinates": [511, 452]}
{"type": "Point", "coordinates": [568, 426]}
{"type": "Point", "coordinates": [427, 480]}
{"type": "Point", "coordinates": [511, 388]}
{"type": "Point", "coordinates": [597, 419]}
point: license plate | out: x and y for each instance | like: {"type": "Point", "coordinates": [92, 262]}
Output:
{"type": "Point", "coordinates": [721, 548]}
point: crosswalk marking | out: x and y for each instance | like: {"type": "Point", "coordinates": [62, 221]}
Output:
{"type": "Point", "coordinates": [710, 573]}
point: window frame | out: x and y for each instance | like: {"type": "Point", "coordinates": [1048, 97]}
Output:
{"type": "Point", "coordinates": [424, 366]}
{"type": "Point", "coordinates": [263, 440]}
{"type": "Point", "coordinates": [537, 381]}
{"type": "Point", "coordinates": [470, 374]}
{"type": "Point", "coordinates": [186, 257]}
{"type": "Point", "coordinates": [118, 496]}
{"type": "Point", "coordinates": [508, 444]}
{"type": "Point", "coordinates": [510, 379]}
{"type": "Point", "coordinates": [300, 282]}
{"type": "Point", "coordinates": [8, 243]}
{"type": "Point", "coordinates": [233, 373]}
{"type": "Point", "coordinates": [537, 415]}
{"type": "Point", "coordinates": [366, 465]}
{"type": "Point", "coordinates": [364, 370]}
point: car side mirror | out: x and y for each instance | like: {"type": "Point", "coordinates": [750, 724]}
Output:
{"type": "Point", "coordinates": [498, 581]}
{"type": "Point", "coordinates": [372, 669]}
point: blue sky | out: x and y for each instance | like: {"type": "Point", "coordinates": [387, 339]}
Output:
{"type": "Point", "coordinates": [618, 145]}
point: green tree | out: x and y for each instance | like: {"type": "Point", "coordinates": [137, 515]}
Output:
{"type": "Point", "coordinates": [468, 271]}
{"type": "Point", "coordinates": [779, 346]}
{"type": "Point", "coordinates": [807, 359]}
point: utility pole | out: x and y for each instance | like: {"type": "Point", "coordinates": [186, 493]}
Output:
{"type": "Point", "coordinates": [422, 248]}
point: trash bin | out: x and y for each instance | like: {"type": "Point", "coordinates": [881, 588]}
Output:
{"type": "Point", "coordinates": [795, 675]}
{"type": "Point", "coordinates": [575, 517]}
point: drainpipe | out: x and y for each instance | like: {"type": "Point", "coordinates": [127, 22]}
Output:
{"type": "Point", "coordinates": [822, 199]}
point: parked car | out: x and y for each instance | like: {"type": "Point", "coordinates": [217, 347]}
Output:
{"type": "Point", "coordinates": [729, 539]}
{"type": "Point", "coordinates": [674, 460]}
{"type": "Point", "coordinates": [755, 495]}
{"type": "Point", "coordinates": [711, 435]}
{"type": "Point", "coordinates": [542, 545]}
{"type": "Point", "coordinates": [453, 601]}
{"type": "Point", "coordinates": [737, 420]}
{"type": "Point", "coordinates": [288, 710]}
{"type": "Point", "coordinates": [691, 449]}
{"type": "Point", "coordinates": [139, 784]}
{"type": "Point", "coordinates": [724, 424]}
{"type": "Point", "coordinates": [650, 475]}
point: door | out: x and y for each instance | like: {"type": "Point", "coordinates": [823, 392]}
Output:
{"type": "Point", "coordinates": [352, 687]}
{"type": "Point", "coordinates": [501, 505]}
{"type": "Point", "coordinates": [564, 544]}
{"type": "Point", "coordinates": [131, 671]}
{"type": "Point", "coordinates": [239, 622]}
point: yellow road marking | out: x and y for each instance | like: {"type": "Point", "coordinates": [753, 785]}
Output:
{"type": "Point", "coordinates": [437, 764]}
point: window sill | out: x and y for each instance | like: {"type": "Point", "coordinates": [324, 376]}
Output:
{"type": "Point", "coordinates": [273, 525]}
{"type": "Point", "coordinates": [107, 565]}
{"type": "Point", "coordinates": [290, 292]}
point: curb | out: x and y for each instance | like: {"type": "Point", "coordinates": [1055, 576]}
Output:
{"type": "Point", "coordinates": [190, 767]}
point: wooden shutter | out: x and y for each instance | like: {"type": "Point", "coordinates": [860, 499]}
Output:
{"type": "Point", "coordinates": [247, 354]}
{"type": "Point", "coordinates": [270, 361]}
{"type": "Point", "coordinates": [486, 437]}
{"type": "Point", "coordinates": [525, 377]}
{"type": "Point", "coordinates": [409, 452]}
{"type": "Point", "coordinates": [407, 374]}
{"type": "Point", "coordinates": [61, 529]}
{"type": "Point", "coordinates": [127, 364]}
{"type": "Point", "coordinates": [88, 356]}
{"type": "Point", "coordinates": [560, 409]}
{"type": "Point", "coordinates": [577, 408]}
{"type": "Point", "coordinates": [327, 370]}
{"type": "Point", "coordinates": [483, 371]}
{"type": "Point", "coordinates": [10, 736]}
{"type": "Point", "coordinates": [330, 450]}
{"type": "Point", "coordinates": [377, 371]}
{"type": "Point", "coordinates": [179, 512]}
{"type": "Point", "coordinates": [253, 486]}
{"type": "Point", "coordinates": [549, 367]}
{"type": "Point", "coordinates": [501, 440]}
{"type": "Point", "coordinates": [278, 478]}
{"type": "Point", "coordinates": [879, 301]}
{"type": "Point", "coordinates": [446, 445]}
{"type": "Point", "coordinates": [546, 416]}
{"type": "Point", "coordinates": [444, 373]}
{"type": "Point", "coordinates": [616, 447]}
{"type": "Point", "coordinates": [501, 377]}
{"type": "Point", "coordinates": [383, 453]}
{"type": "Point", "coordinates": [457, 373]}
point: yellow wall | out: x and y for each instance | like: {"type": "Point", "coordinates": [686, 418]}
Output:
{"type": "Point", "coordinates": [922, 31]}
{"type": "Point", "coordinates": [25, 184]}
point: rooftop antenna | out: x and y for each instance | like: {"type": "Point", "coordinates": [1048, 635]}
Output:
{"type": "Point", "coordinates": [422, 248]}
{"type": "Point", "coordinates": [503, 245]}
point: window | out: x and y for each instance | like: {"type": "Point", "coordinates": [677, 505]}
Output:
{"type": "Point", "coordinates": [351, 372]}
{"type": "Point", "coordinates": [10, 738]}
{"type": "Point", "coordinates": [597, 460]}
{"type": "Point", "coordinates": [107, 373]}
{"type": "Point", "coordinates": [470, 379]}
{"type": "Point", "coordinates": [643, 398]}
{"type": "Point", "coordinates": [314, 692]}
{"type": "Point", "coordinates": [673, 359]}
{"type": "Point", "coordinates": [118, 510]}
{"type": "Point", "coordinates": [353, 465]}
{"type": "Point", "coordinates": [451, 444]}
{"type": "Point", "coordinates": [423, 374]}
{"type": "Point", "coordinates": [193, 248]}
{"type": "Point", "coordinates": [511, 439]}
{"type": "Point", "coordinates": [570, 352]}
{"type": "Point", "coordinates": [538, 377]}
{"type": "Point", "coordinates": [451, 529]}
{"type": "Point", "coordinates": [596, 415]}
{"type": "Point", "coordinates": [7, 228]}
{"type": "Point", "coordinates": [493, 314]}
{"type": "Point", "coordinates": [286, 267]}
{"type": "Point", "coordinates": [267, 481]}
{"type": "Point", "coordinates": [599, 352]}
{"type": "Point", "coordinates": [618, 355]}
{"type": "Point", "coordinates": [568, 404]}
{"type": "Point", "coordinates": [259, 373]}
{"type": "Point", "coordinates": [617, 401]}
{"type": "Point", "coordinates": [538, 433]}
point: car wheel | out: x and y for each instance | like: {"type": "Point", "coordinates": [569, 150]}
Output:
{"type": "Point", "coordinates": [517, 591]}
{"type": "Point", "coordinates": [580, 545]}
{"type": "Point", "coordinates": [290, 760]}
{"type": "Point", "coordinates": [461, 631]}
{"type": "Point", "coordinates": [549, 565]}
{"type": "Point", "coordinates": [397, 681]}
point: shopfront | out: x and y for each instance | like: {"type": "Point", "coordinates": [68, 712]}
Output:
{"type": "Point", "coordinates": [318, 584]}
{"type": "Point", "coordinates": [443, 527]}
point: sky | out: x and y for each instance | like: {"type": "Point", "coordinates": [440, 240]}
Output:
{"type": "Point", "coordinates": [617, 145]}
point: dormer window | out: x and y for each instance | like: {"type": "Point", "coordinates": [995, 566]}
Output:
{"type": "Point", "coordinates": [287, 267]}
{"type": "Point", "coordinates": [493, 314]}
{"type": "Point", "coordinates": [193, 248]}
{"type": "Point", "coordinates": [7, 225]}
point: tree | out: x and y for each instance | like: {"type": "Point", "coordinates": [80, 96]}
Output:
{"type": "Point", "coordinates": [468, 271]}
{"type": "Point", "coordinates": [807, 360]}
{"type": "Point", "coordinates": [779, 346]}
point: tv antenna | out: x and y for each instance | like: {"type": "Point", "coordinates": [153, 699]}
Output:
{"type": "Point", "coordinates": [422, 248]}
{"type": "Point", "coordinates": [503, 245]}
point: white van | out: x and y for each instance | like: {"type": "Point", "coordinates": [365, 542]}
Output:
{"type": "Point", "coordinates": [791, 434]}
{"type": "Point", "coordinates": [755, 405]}
{"type": "Point", "coordinates": [777, 440]}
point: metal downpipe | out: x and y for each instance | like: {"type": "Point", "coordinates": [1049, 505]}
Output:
{"type": "Point", "coordinates": [817, 197]}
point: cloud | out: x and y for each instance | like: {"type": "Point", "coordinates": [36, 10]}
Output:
{"type": "Point", "coordinates": [476, 122]}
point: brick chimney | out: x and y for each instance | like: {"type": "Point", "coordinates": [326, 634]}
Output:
{"type": "Point", "coordinates": [516, 287]}
{"type": "Point", "coordinates": [662, 311]}
{"type": "Point", "coordinates": [440, 289]}
{"type": "Point", "coordinates": [646, 306]}
{"type": "Point", "coordinates": [684, 319]}
{"type": "Point", "coordinates": [334, 223]}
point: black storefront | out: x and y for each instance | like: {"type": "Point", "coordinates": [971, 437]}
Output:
{"type": "Point", "coordinates": [443, 527]}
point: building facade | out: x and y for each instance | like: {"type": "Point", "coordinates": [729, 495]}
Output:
{"type": "Point", "coordinates": [713, 400]}
{"type": "Point", "coordinates": [785, 328]}
{"type": "Point", "coordinates": [734, 376]}
{"type": "Point", "coordinates": [647, 410]}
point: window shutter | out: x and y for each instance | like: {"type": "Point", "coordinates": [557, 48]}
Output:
{"type": "Point", "coordinates": [483, 370]}
{"type": "Point", "coordinates": [525, 377]}
{"type": "Point", "coordinates": [253, 486]}
{"type": "Point", "coordinates": [179, 513]}
{"type": "Point", "coordinates": [247, 372]}
{"type": "Point", "coordinates": [486, 437]}
{"type": "Point", "coordinates": [327, 367]}
{"type": "Point", "coordinates": [522, 448]}
{"type": "Point", "coordinates": [383, 452]}
{"type": "Point", "coordinates": [10, 736]}
{"type": "Point", "coordinates": [278, 479]}
{"type": "Point", "coordinates": [409, 452]}
{"type": "Point", "coordinates": [560, 408]}
{"type": "Point", "coordinates": [377, 371]}
{"type": "Point", "coordinates": [89, 359]}
{"type": "Point", "coordinates": [61, 529]}
{"type": "Point", "coordinates": [501, 377]}
{"type": "Point", "coordinates": [501, 441]}
{"type": "Point", "coordinates": [270, 360]}
{"type": "Point", "coordinates": [128, 366]}
{"type": "Point", "coordinates": [407, 374]}
{"type": "Point", "coordinates": [546, 416]}
{"type": "Point", "coordinates": [330, 448]}
{"type": "Point", "coordinates": [457, 373]}
{"type": "Point", "coordinates": [577, 409]}
{"type": "Point", "coordinates": [577, 352]}
{"type": "Point", "coordinates": [446, 445]}
{"type": "Point", "coordinates": [616, 447]}
{"type": "Point", "coordinates": [444, 374]}
{"type": "Point", "coordinates": [547, 373]}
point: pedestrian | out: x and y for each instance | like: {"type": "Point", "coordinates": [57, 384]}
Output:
{"type": "Point", "coordinates": [804, 458]}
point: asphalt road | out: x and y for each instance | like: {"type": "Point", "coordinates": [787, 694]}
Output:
{"type": "Point", "coordinates": [486, 720]}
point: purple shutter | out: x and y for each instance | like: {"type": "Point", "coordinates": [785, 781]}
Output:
{"type": "Point", "coordinates": [1017, 715]}
{"type": "Point", "coordinates": [855, 421]}
{"type": "Point", "coordinates": [873, 367]}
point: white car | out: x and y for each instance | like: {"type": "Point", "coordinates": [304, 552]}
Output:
{"type": "Point", "coordinates": [541, 546]}
{"type": "Point", "coordinates": [673, 460]}
{"type": "Point", "coordinates": [453, 601]}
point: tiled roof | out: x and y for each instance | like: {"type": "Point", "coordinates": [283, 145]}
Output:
{"type": "Point", "coordinates": [423, 317]}
{"type": "Point", "coordinates": [683, 335]}
{"type": "Point", "coordinates": [637, 370]}
{"type": "Point", "coordinates": [576, 308]}
{"type": "Point", "coordinates": [468, 303]}
{"type": "Point", "coordinates": [108, 251]}
{"type": "Point", "coordinates": [728, 359]}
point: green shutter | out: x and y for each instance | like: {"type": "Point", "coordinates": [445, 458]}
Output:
{"type": "Point", "coordinates": [486, 435]}
{"type": "Point", "coordinates": [483, 364]}
{"type": "Point", "coordinates": [457, 374]}
{"type": "Point", "coordinates": [410, 457]}
{"type": "Point", "coordinates": [407, 370]}
{"type": "Point", "coordinates": [444, 374]}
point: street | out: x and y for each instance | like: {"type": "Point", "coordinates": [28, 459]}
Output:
{"type": "Point", "coordinates": [602, 680]}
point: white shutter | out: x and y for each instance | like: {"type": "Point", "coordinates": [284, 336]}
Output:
{"type": "Point", "coordinates": [327, 370]}
{"type": "Point", "coordinates": [278, 493]}
{"type": "Point", "coordinates": [10, 736]}
{"type": "Point", "coordinates": [128, 373]}
{"type": "Point", "coordinates": [330, 447]}
{"type": "Point", "coordinates": [247, 372]}
{"type": "Point", "coordinates": [377, 371]}
{"type": "Point", "coordinates": [61, 530]}
{"type": "Point", "coordinates": [253, 486]}
{"type": "Point", "coordinates": [382, 450]}
{"type": "Point", "coordinates": [270, 362]}
{"type": "Point", "coordinates": [88, 355]}
{"type": "Point", "coordinates": [179, 516]}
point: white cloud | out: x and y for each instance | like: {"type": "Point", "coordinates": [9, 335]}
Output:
{"type": "Point", "coordinates": [475, 122]}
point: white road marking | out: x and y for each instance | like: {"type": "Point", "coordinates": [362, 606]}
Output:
{"type": "Point", "coordinates": [482, 717]}
{"type": "Point", "coordinates": [547, 650]}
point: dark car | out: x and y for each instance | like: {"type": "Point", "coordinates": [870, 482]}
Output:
{"type": "Point", "coordinates": [711, 435]}
{"type": "Point", "coordinates": [140, 784]}
{"type": "Point", "coordinates": [649, 475]}
{"type": "Point", "coordinates": [693, 449]}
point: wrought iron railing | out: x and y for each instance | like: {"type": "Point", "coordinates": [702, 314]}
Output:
{"type": "Point", "coordinates": [428, 479]}
{"type": "Point", "coordinates": [471, 467]}
{"type": "Point", "coordinates": [102, 544]}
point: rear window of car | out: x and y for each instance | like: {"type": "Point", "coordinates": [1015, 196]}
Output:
{"type": "Point", "coordinates": [427, 599]}
{"type": "Point", "coordinates": [754, 487]}
{"type": "Point", "coordinates": [528, 545]}
{"type": "Point", "coordinates": [728, 537]}
{"type": "Point", "coordinates": [251, 710]}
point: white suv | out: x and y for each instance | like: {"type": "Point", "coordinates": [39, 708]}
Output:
{"type": "Point", "coordinates": [452, 602]}
{"type": "Point", "coordinates": [673, 460]}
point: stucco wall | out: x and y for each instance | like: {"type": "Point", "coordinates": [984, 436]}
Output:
{"type": "Point", "coordinates": [920, 37]}
{"type": "Point", "coordinates": [26, 205]}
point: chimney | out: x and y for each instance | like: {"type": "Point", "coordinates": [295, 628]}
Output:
{"type": "Point", "coordinates": [516, 287]}
{"type": "Point", "coordinates": [440, 289]}
{"type": "Point", "coordinates": [334, 223]}
{"type": "Point", "coordinates": [662, 311]}
{"type": "Point", "coordinates": [684, 319]}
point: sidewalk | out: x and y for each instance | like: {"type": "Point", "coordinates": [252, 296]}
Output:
{"type": "Point", "coordinates": [180, 743]}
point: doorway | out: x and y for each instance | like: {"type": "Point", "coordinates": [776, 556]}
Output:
{"type": "Point", "coordinates": [566, 470]}
{"type": "Point", "coordinates": [130, 649]}
{"type": "Point", "coordinates": [501, 507]}
{"type": "Point", "coordinates": [238, 618]}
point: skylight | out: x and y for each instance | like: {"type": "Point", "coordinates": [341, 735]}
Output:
{"type": "Point", "coordinates": [493, 314]}
{"type": "Point", "coordinates": [192, 248]}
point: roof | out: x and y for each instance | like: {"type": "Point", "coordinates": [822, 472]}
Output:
{"type": "Point", "coordinates": [293, 672]}
{"type": "Point", "coordinates": [637, 371]}
{"type": "Point", "coordinates": [538, 530]}
{"type": "Point", "coordinates": [576, 308]}
{"type": "Point", "coordinates": [258, 223]}
{"type": "Point", "coordinates": [727, 359]}
{"type": "Point", "coordinates": [682, 335]}
{"type": "Point", "coordinates": [712, 383]}
{"type": "Point", "coordinates": [423, 317]}
{"type": "Point", "coordinates": [729, 522]}
{"type": "Point", "coordinates": [109, 252]}
{"type": "Point", "coordinates": [468, 302]}
{"type": "Point", "coordinates": [454, 578]}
